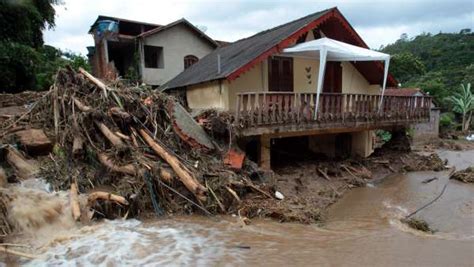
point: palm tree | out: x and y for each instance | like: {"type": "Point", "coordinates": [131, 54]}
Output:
{"type": "Point", "coordinates": [463, 103]}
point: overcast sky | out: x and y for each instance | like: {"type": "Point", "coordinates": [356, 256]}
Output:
{"type": "Point", "coordinates": [378, 22]}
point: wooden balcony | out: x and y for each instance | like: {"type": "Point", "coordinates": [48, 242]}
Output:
{"type": "Point", "coordinates": [287, 112]}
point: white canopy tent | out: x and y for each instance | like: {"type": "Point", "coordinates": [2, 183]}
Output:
{"type": "Point", "coordinates": [326, 49]}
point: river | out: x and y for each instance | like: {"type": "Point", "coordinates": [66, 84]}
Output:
{"type": "Point", "coordinates": [362, 229]}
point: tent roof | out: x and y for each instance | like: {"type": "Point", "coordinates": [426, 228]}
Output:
{"type": "Point", "coordinates": [336, 51]}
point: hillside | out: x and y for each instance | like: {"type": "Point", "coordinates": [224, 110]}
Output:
{"type": "Point", "coordinates": [436, 63]}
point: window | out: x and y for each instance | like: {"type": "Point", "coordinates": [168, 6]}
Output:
{"type": "Point", "coordinates": [153, 57]}
{"type": "Point", "coordinates": [189, 60]}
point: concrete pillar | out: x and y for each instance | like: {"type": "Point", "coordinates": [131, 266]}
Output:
{"type": "Point", "coordinates": [265, 149]}
{"type": "Point", "coordinates": [362, 143]}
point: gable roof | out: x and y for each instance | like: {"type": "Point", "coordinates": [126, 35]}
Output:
{"type": "Point", "coordinates": [178, 22]}
{"type": "Point", "coordinates": [240, 56]}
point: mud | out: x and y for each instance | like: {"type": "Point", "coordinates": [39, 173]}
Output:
{"type": "Point", "coordinates": [362, 229]}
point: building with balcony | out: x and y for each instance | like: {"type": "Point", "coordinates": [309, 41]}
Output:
{"type": "Point", "coordinates": [313, 78]}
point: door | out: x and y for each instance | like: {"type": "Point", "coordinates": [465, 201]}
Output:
{"type": "Point", "coordinates": [280, 74]}
{"type": "Point", "coordinates": [333, 78]}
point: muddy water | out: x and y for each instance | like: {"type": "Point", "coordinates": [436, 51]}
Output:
{"type": "Point", "coordinates": [363, 229]}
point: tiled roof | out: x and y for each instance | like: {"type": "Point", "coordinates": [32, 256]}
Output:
{"type": "Point", "coordinates": [235, 55]}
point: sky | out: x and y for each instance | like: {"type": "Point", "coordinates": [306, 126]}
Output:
{"type": "Point", "coordinates": [378, 22]}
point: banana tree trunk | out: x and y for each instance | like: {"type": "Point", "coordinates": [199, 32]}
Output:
{"type": "Point", "coordinates": [467, 121]}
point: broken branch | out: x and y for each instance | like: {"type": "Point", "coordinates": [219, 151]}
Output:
{"type": "Point", "coordinates": [114, 139]}
{"type": "Point", "coordinates": [94, 196]}
{"type": "Point", "coordinates": [185, 176]}
{"type": "Point", "coordinates": [107, 162]}
{"type": "Point", "coordinates": [74, 199]}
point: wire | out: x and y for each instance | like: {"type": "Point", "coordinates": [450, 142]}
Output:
{"type": "Point", "coordinates": [429, 203]}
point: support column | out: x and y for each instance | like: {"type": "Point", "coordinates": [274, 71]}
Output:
{"type": "Point", "coordinates": [265, 148]}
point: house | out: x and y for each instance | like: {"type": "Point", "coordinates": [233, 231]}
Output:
{"type": "Point", "coordinates": [157, 52]}
{"type": "Point", "coordinates": [273, 85]}
{"type": "Point", "coordinates": [424, 131]}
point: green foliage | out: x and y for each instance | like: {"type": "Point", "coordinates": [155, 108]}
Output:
{"type": "Point", "coordinates": [25, 63]}
{"type": "Point", "coordinates": [17, 66]}
{"type": "Point", "coordinates": [384, 135]}
{"type": "Point", "coordinates": [438, 63]}
{"type": "Point", "coordinates": [406, 66]}
{"type": "Point", "coordinates": [463, 103]}
{"type": "Point", "coordinates": [24, 20]}
{"type": "Point", "coordinates": [446, 120]}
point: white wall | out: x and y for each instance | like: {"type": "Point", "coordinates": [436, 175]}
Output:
{"type": "Point", "coordinates": [208, 95]}
{"type": "Point", "coordinates": [177, 42]}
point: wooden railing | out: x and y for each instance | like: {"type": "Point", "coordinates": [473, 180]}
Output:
{"type": "Point", "coordinates": [270, 108]}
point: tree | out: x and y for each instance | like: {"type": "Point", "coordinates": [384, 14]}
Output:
{"type": "Point", "coordinates": [463, 103]}
{"type": "Point", "coordinates": [405, 66]}
{"type": "Point", "coordinates": [25, 63]}
{"type": "Point", "coordinates": [446, 57]}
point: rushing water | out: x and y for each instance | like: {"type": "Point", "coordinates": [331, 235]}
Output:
{"type": "Point", "coordinates": [363, 229]}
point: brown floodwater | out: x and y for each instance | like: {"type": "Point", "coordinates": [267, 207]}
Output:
{"type": "Point", "coordinates": [362, 229]}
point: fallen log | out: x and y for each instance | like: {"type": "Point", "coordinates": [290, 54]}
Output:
{"type": "Point", "coordinates": [119, 113]}
{"type": "Point", "coordinates": [74, 199]}
{"type": "Point", "coordinates": [107, 162]}
{"type": "Point", "coordinates": [122, 136]}
{"type": "Point", "coordinates": [77, 145]}
{"type": "Point", "coordinates": [94, 80]}
{"type": "Point", "coordinates": [184, 175]}
{"type": "Point", "coordinates": [17, 253]}
{"type": "Point", "coordinates": [23, 168]}
{"type": "Point", "coordinates": [94, 196]}
{"type": "Point", "coordinates": [81, 106]}
{"type": "Point", "coordinates": [234, 194]}
{"type": "Point", "coordinates": [114, 139]}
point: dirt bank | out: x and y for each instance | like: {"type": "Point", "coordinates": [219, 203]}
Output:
{"type": "Point", "coordinates": [311, 186]}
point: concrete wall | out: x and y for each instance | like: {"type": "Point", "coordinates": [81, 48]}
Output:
{"type": "Point", "coordinates": [301, 82]}
{"type": "Point", "coordinates": [177, 42]}
{"type": "Point", "coordinates": [363, 143]}
{"type": "Point", "coordinates": [425, 132]}
{"type": "Point", "coordinates": [354, 83]}
{"type": "Point", "coordinates": [208, 95]}
{"type": "Point", "coordinates": [254, 80]}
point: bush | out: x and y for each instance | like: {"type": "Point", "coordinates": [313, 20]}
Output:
{"type": "Point", "coordinates": [447, 120]}
{"type": "Point", "coordinates": [384, 135]}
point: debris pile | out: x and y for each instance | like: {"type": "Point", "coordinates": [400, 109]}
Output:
{"type": "Point", "coordinates": [126, 150]}
{"type": "Point", "coordinates": [418, 224]}
{"type": "Point", "coordinates": [466, 175]}
{"type": "Point", "coordinates": [418, 162]}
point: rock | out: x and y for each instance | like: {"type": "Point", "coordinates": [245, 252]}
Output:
{"type": "Point", "coordinates": [34, 141]}
{"type": "Point", "coordinates": [279, 195]}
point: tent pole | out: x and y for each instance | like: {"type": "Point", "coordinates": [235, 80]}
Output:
{"type": "Point", "coordinates": [322, 67]}
{"type": "Point", "coordinates": [385, 74]}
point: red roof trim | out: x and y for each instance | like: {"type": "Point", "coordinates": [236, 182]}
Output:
{"type": "Point", "coordinates": [335, 13]}
{"type": "Point", "coordinates": [279, 47]}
